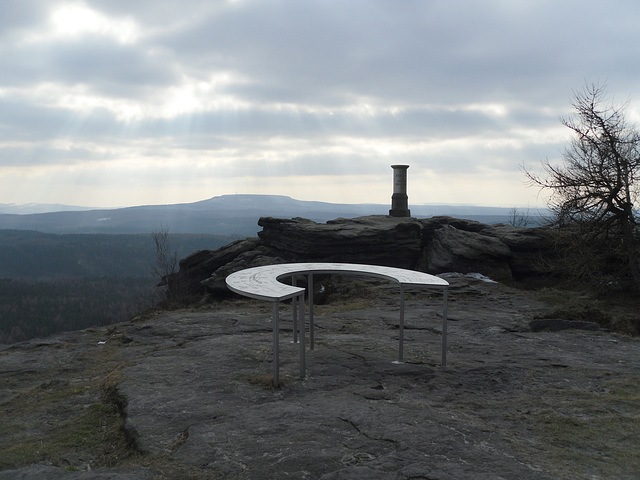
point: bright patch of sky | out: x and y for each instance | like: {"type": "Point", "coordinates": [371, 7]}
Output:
{"type": "Point", "coordinates": [115, 103]}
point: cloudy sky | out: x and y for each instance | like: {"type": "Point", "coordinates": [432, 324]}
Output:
{"type": "Point", "coordinates": [130, 102]}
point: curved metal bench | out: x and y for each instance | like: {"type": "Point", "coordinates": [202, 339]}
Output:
{"type": "Point", "coordinates": [263, 283]}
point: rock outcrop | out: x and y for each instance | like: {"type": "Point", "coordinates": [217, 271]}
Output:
{"type": "Point", "coordinates": [452, 249]}
{"type": "Point", "coordinates": [433, 245]}
{"type": "Point", "coordinates": [186, 394]}
{"type": "Point", "coordinates": [378, 240]}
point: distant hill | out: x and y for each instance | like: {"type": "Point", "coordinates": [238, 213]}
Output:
{"type": "Point", "coordinates": [234, 215]}
{"type": "Point", "coordinates": [27, 208]}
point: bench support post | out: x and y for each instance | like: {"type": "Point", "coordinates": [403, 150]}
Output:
{"type": "Point", "coordinates": [276, 345]}
{"type": "Point", "coordinates": [311, 325]}
{"type": "Point", "coordinates": [295, 312]}
{"type": "Point", "coordinates": [444, 328]}
{"type": "Point", "coordinates": [301, 337]}
{"type": "Point", "coordinates": [401, 327]}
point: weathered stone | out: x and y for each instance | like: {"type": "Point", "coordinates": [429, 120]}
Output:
{"type": "Point", "coordinates": [433, 245]}
{"type": "Point", "coordinates": [197, 402]}
{"type": "Point", "coordinates": [531, 248]}
{"type": "Point", "coordinates": [44, 472]}
{"type": "Point", "coordinates": [199, 266]}
{"type": "Point", "coordinates": [558, 324]}
{"type": "Point", "coordinates": [430, 225]}
{"type": "Point", "coordinates": [252, 258]}
{"type": "Point", "coordinates": [376, 239]}
{"type": "Point", "coordinates": [454, 250]}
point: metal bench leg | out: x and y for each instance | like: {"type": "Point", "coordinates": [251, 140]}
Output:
{"type": "Point", "coordinates": [401, 328]}
{"type": "Point", "coordinates": [444, 328]}
{"type": "Point", "coordinates": [295, 312]}
{"type": "Point", "coordinates": [311, 324]}
{"type": "Point", "coordinates": [276, 345]}
{"type": "Point", "coordinates": [303, 370]}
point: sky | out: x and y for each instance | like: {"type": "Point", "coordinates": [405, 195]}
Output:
{"type": "Point", "coordinates": [111, 103]}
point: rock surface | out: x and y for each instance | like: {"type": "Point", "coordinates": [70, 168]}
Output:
{"type": "Point", "coordinates": [378, 240]}
{"type": "Point", "coordinates": [433, 245]}
{"type": "Point", "coordinates": [454, 250]}
{"type": "Point", "coordinates": [45, 472]}
{"type": "Point", "coordinates": [194, 392]}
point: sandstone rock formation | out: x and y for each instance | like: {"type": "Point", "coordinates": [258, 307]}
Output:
{"type": "Point", "coordinates": [186, 394]}
{"type": "Point", "coordinates": [433, 245]}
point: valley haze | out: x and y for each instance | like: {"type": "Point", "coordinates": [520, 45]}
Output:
{"type": "Point", "coordinates": [235, 215]}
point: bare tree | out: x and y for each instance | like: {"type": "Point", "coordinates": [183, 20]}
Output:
{"type": "Point", "coordinates": [595, 189]}
{"type": "Point", "coordinates": [516, 218]}
{"type": "Point", "coordinates": [166, 260]}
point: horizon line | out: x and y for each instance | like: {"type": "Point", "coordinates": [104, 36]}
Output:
{"type": "Point", "coordinates": [70, 207]}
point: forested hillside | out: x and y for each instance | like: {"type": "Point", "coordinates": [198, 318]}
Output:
{"type": "Point", "coordinates": [30, 309]}
{"type": "Point", "coordinates": [51, 283]}
{"type": "Point", "coordinates": [35, 255]}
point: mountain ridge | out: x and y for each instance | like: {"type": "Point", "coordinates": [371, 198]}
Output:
{"type": "Point", "coordinates": [222, 215]}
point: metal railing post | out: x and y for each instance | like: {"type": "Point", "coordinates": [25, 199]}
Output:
{"type": "Point", "coordinates": [444, 328]}
{"type": "Point", "coordinates": [276, 345]}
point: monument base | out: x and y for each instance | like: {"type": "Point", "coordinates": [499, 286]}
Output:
{"type": "Point", "coordinates": [400, 205]}
{"type": "Point", "coordinates": [400, 212]}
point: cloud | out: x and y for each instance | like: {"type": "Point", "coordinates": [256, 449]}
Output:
{"type": "Point", "coordinates": [20, 17]}
{"type": "Point", "coordinates": [251, 94]}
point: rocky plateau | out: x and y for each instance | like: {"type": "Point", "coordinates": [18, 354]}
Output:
{"type": "Point", "coordinates": [186, 393]}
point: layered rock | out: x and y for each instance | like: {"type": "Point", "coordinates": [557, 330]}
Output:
{"type": "Point", "coordinates": [451, 249]}
{"type": "Point", "coordinates": [433, 245]}
{"type": "Point", "coordinates": [187, 394]}
{"type": "Point", "coordinates": [378, 240]}
{"type": "Point", "coordinates": [531, 248]}
{"type": "Point", "coordinates": [200, 265]}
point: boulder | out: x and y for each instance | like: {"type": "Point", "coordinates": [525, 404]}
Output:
{"type": "Point", "coordinates": [531, 248]}
{"type": "Point", "coordinates": [454, 250]}
{"type": "Point", "coordinates": [430, 225]}
{"type": "Point", "coordinates": [377, 239]}
{"type": "Point", "coordinates": [433, 245]}
{"type": "Point", "coordinates": [199, 266]}
{"type": "Point", "coordinates": [258, 257]}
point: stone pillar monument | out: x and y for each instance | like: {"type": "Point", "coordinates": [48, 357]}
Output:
{"type": "Point", "coordinates": [400, 200]}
